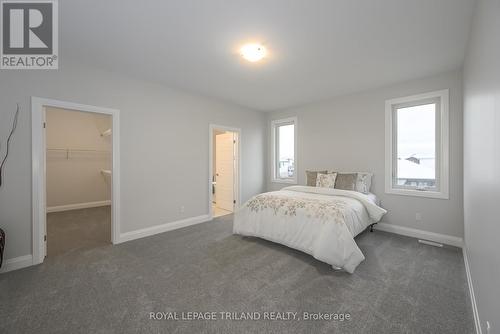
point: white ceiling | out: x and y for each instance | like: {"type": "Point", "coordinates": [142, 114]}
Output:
{"type": "Point", "coordinates": [318, 48]}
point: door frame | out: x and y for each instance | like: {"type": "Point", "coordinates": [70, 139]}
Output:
{"type": "Point", "coordinates": [38, 150]}
{"type": "Point", "coordinates": [237, 183]}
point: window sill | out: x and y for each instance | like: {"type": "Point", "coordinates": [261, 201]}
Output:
{"type": "Point", "coordinates": [285, 181]}
{"type": "Point", "coordinates": [417, 193]}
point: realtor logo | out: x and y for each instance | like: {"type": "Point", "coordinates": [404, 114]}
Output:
{"type": "Point", "coordinates": [29, 34]}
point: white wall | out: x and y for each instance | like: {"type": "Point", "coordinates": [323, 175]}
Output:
{"type": "Point", "coordinates": [76, 178]}
{"type": "Point", "coordinates": [164, 145]}
{"type": "Point", "coordinates": [482, 160]}
{"type": "Point", "coordinates": [347, 134]}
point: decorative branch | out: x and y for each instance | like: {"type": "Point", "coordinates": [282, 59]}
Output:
{"type": "Point", "coordinates": [14, 126]}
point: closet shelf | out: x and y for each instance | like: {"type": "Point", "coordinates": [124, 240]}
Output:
{"type": "Point", "coordinates": [69, 152]}
{"type": "Point", "coordinates": [106, 133]}
{"type": "Point", "coordinates": [76, 150]}
{"type": "Point", "coordinates": [106, 172]}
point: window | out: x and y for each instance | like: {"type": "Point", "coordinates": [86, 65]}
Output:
{"type": "Point", "coordinates": [284, 137]}
{"type": "Point", "coordinates": [417, 145]}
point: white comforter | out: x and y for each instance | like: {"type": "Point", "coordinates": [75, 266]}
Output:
{"type": "Point", "coordinates": [321, 222]}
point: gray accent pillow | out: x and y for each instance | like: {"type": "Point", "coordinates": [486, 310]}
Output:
{"type": "Point", "coordinates": [346, 181]}
{"type": "Point", "coordinates": [312, 176]}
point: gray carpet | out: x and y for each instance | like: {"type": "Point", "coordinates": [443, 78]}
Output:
{"type": "Point", "coordinates": [401, 287]}
{"type": "Point", "coordinates": [84, 228]}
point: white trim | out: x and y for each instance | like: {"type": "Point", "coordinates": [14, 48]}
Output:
{"type": "Point", "coordinates": [38, 180]}
{"type": "Point", "coordinates": [38, 168]}
{"type": "Point", "coordinates": [149, 231]}
{"type": "Point", "coordinates": [76, 206]}
{"type": "Point", "coordinates": [430, 243]}
{"type": "Point", "coordinates": [17, 263]}
{"type": "Point", "coordinates": [275, 123]}
{"type": "Point", "coordinates": [285, 181]}
{"type": "Point", "coordinates": [417, 193]}
{"type": "Point", "coordinates": [443, 192]}
{"type": "Point", "coordinates": [420, 234]}
{"type": "Point", "coordinates": [475, 312]}
{"type": "Point", "coordinates": [237, 186]}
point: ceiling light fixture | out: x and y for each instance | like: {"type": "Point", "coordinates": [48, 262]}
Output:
{"type": "Point", "coordinates": [253, 52]}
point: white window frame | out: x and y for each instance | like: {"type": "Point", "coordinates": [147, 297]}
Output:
{"type": "Point", "coordinates": [442, 148]}
{"type": "Point", "coordinates": [274, 150]}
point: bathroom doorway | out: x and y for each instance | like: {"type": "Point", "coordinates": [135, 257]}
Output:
{"type": "Point", "coordinates": [225, 170]}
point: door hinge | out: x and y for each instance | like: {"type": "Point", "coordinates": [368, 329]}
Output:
{"type": "Point", "coordinates": [234, 201]}
{"type": "Point", "coordinates": [44, 125]}
{"type": "Point", "coordinates": [45, 238]}
{"type": "Point", "coordinates": [234, 141]}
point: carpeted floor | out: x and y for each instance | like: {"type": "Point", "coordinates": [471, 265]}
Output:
{"type": "Point", "coordinates": [84, 228]}
{"type": "Point", "coordinates": [401, 287]}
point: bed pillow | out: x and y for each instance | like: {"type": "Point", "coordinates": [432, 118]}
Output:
{"type": "Point", "coordinates": [346, 181]}
{"type": "Point", "coordinates": [326, 180]}
{"type": "Point", "coordinates": [364, 182]}
{"type": "Point", "coordinates": [311, 177]}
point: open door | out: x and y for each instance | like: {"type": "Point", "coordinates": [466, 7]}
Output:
{"type": "Point", "coordinates": [225, 170]}
{"type": "Point", "coordinates": [44, 200]}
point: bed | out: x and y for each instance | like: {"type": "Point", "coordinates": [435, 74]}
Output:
{"type": "Point", "coordinates": [321, 222]}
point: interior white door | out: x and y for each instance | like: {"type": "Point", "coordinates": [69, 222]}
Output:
{"type": "Point", "coordinates": [224, 170]}
{"type": "Point", "coordinates": [44, 201]}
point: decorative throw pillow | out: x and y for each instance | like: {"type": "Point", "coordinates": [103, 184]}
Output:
{"type": "Point", "coordinates": [364, 182]}
{"type": "Point", "coordinates": [326, 180]}
{"type": "Point", "coordinates": [346, 181]}
{"type": "Point", "coordinates": [311, 177]}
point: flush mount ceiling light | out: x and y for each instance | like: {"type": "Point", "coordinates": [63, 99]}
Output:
{"type": "Point", "coordinates": [253, 52]}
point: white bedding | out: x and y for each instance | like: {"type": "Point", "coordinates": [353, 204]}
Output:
{"type": "Point", "coordinates": [321, 222]}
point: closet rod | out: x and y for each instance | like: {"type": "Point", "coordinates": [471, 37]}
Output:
{"type": "Point", "coordinates": [76, 149]}
{"type": "Point", "coordinates": [68, 151]}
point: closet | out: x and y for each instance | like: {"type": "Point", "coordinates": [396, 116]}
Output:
{"type": "Point", "coordinates": [78, 180]}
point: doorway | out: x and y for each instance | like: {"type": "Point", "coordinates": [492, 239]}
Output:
{"type": "Point", "coordinates": [75, 177]}
{"type": "Point", "coordinates": [78, 180]}
{"type": "Point", "coordinates": [224, 170]}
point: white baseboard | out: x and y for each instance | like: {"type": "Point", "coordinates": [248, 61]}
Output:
{"type": "Point", "coordinates": [146, 232]}
{"type": "Point", "coordinates": [78, 206]}
{"type": "Point", "coordinates": [17, 263]}
{"type": "Point", "coordinates": [477, 323]}
{"type": "Point", "coordinates": [420, 234]}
